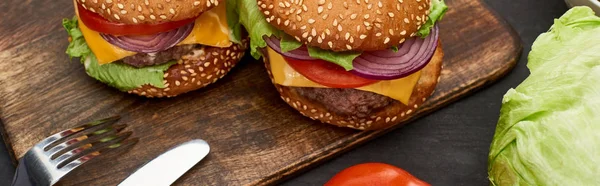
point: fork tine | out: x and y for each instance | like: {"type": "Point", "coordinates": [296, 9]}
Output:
{"type": "Point", "coordinates": [49, 141]}
{"type": "Point", "coordinates": [82, 150]}
{"type": "Point", "coordinates": [83, 159]}
{"type": "Point", "coordinates": [90, 135]}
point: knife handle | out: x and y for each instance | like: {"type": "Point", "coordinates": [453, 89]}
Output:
{"type": "Point", "coordinates": [22, 176]}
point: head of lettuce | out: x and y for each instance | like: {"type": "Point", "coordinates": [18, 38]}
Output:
{"type": "Point", "coordinates": [549, 127]}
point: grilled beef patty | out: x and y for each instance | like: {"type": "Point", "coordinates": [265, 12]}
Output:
{"type": "Point", "coordinates": [149, 59]}
{"type": "Point", "coordinates": [346, 101]}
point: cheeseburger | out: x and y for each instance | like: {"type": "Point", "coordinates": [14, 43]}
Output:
{"type": "Point", "coordinates": [154, 48]}
{"type": "Point", "coordinates": [363, 64]}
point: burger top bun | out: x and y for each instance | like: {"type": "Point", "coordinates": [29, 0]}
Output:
{"type": "Point", "coordinates": [344, 25]}
{"type": "Point", "coordinates": [148, 11]}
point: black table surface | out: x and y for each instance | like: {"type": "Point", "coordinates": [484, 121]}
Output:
{"type": "Point", "coordinates": [448, 147]}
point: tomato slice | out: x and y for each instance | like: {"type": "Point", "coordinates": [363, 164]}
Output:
{"type": "Point", "coordinates": [367, 174]}
{"type": "Point", "coordinates": [96, 22]}
{"type": "Point", "coordinates": [328, 74]}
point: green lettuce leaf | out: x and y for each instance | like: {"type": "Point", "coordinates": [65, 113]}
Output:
{"type": "Point", "coordinates": [549, 127]}
{"type": "Point", "coordinates": [253, 20]}
{"type": "Point", "coordinates": [343, 59]}
{"type": "Point", "coordinates": [77, 47]}
{"type": "Point", "coordinates": [121, 76]}
{"type": "Point", "coordinates": [437, 10]}
{"type": "Point", "coordinates": [288, 43]}
{"type": "Point", "coordinates": [235, 28]}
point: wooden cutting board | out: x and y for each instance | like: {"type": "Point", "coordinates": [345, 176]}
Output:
{"type": "Point", "coordinates": [256, 139]}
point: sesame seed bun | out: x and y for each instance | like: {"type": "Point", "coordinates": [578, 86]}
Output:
{"type": "Point", "coordinates": [148, 11]}
{"type": "Point", "coordinates": [345, 25]}
{"type": "Point", "coordinates": [383, 118]}
{"type": "Point", "coordinates": [194, 71]}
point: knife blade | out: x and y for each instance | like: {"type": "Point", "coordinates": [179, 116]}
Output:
{"type": "Point", "coordinates": [169, 166]}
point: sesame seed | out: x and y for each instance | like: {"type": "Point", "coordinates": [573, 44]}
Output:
{"type": "Point", "coordinates": [387, 40]}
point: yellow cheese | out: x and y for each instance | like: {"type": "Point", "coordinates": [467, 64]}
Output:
{"type": "Point", "coordinates": [398, 89]}
{"type": "Point", "coordinates": [209, 29]}
{"type": "Point", "coordinates": [104, 51]}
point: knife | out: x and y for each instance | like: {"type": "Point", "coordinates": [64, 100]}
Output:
{"type": "Point", "coordinates": [169, 166]}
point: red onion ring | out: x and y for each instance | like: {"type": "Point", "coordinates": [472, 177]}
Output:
{"type": "Point", "coordinates": [150, 43]}
{"type": "Point", "coordinates": [385, 65]}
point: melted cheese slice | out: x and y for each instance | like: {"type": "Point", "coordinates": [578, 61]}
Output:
{"type": "Point", "coordinates": [209, 29]}
{"type": "Point", "coordinates": [398, 89]}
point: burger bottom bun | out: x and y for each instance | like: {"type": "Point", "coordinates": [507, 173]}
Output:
{"type": "Point", "coordinates": [203, 66]}
{"type": "Point", "coordinates": [379, 119]}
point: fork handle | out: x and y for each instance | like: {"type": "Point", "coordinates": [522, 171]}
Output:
{"type": "Point", "coordinates": [22, 176]}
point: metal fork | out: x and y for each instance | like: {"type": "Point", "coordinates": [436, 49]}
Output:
{"type": "Point", "coordinates": [52, 158]}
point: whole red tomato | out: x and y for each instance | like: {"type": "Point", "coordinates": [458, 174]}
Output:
{"type": "Point", "coordinates": [374, 174]}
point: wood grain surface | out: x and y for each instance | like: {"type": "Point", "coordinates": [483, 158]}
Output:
{"type": "Point", "coordinates": [256, 139]}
